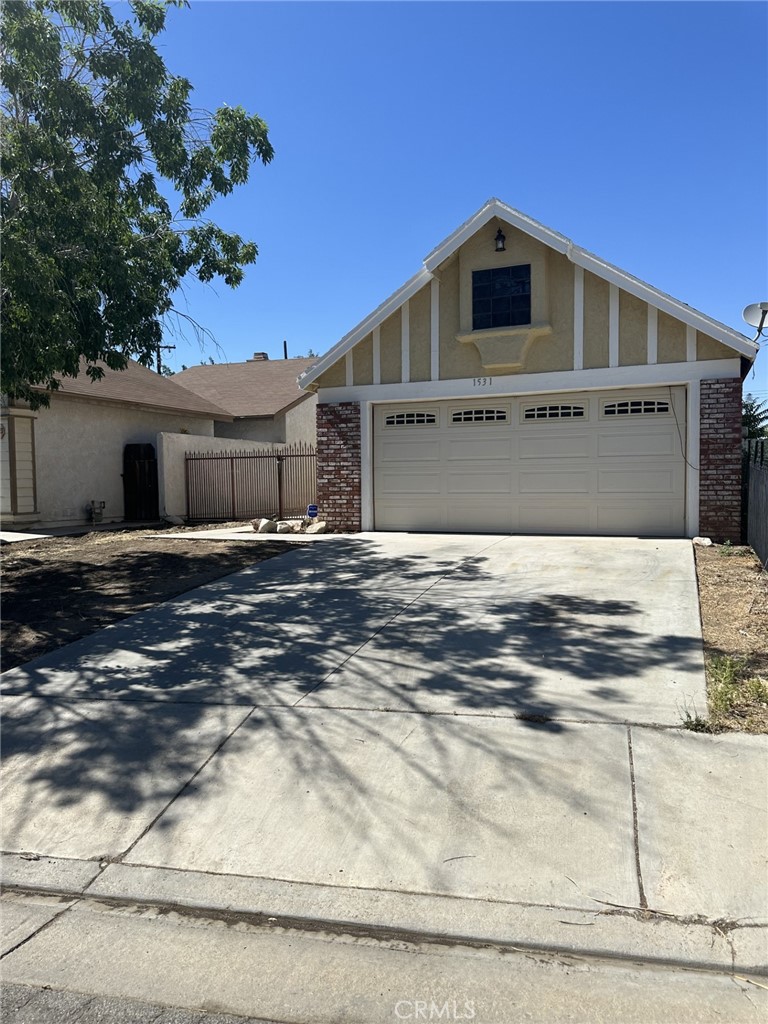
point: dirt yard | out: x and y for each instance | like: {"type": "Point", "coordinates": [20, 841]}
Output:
{"type": "Point", "coordinates": [61, 588]}
{"type": "Point", "coordinates": [733, 595]}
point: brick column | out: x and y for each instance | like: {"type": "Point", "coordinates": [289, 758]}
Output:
{"type": "Point", "coordinates": [720, 460]}
{"type": "Point", "coordinates": [338, 465]}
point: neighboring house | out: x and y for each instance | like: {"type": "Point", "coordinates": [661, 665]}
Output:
{"type": "Point", "coordinates": [261, 395]}
{"type": "Point", "coordinates": [519, 384]}
{"type": "Point", "coordinates": [57, 461]}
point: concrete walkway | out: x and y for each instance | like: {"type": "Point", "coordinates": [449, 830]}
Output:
{"type": "Point", "coordinates": [432, 737]}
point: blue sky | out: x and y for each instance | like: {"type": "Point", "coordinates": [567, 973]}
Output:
{"type": "Point", "coordinates": [639, 130]}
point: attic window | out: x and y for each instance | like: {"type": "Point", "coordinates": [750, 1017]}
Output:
{"type": "Point", "coordinates": [635, 408]}
{"type": "Point", "coordinates": [479, 416]}
{"type": "Point", "coordinates": [501, 297]}
{"type": "Point", "coordinates": [553, 412]}
{"type": "Point", "coordinates": [410, 419]}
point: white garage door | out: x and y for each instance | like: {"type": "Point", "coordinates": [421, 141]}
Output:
{"type": "Point", "coordinates": [608, 463]}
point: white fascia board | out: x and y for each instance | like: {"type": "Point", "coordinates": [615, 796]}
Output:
{"type": "Point", "coordinates": [379, 315]}
{"type": "Point", "coordinates": [658, 375]}
{"type": "Point", "coordinates": [495, 208]}
{"type": "Point", "coordinates": [662, 301]}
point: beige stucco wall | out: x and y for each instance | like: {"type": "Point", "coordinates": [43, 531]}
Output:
{"type": "Point", "coordinates": [708, 348]}
{"type": "Point", "coordinates": [596, 293]}
{"type": "Point", "coordinates": [672, 347]}
{"type": "Point", "coordinates": [171, 475]}
{"type": "Point", "coordinates": [79, 451]}
{"type": "Point", "coordinates": [5, 465]}
{"type": "Point", "coordinates": [419, 329]}
{"type": "Point", "coordinates": [633, 330]}
{"type": "Point", "coordinates": [391, 349]}
{"type": "Point", "coordinates": [456, 359]}
{"type": "Point", "coordinates": [362, 355]}
{"type": "Point", "coordinates": [555, 351]}
{"type": "Point", "coordinates": [295, 425]}
{"type": "Point", "coordinates": [552, 303]}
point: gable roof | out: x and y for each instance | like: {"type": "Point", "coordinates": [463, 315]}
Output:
{"type": "Point", "coordinates": [492, 209]}
{"type": "Point", "coordinates": [137, 385]}
{"type": "Point", "coordinates": [258, 387]}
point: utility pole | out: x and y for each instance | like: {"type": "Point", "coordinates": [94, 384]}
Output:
{"type": "Point", "coordinates": [160, 350]}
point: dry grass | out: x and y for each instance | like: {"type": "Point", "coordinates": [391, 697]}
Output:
{"type": "Point", "coordinates": [733, 595]}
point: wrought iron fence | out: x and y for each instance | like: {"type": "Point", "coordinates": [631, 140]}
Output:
{"type": "Point", "coordinates": [755, 481]}
{"type": "Point", "coordinates": [246, 485]}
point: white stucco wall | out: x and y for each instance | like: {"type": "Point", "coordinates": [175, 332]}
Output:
{"type": "Point", "coordinates": [171, 449]}
{"type": "Point", "coordinates": [79, 451]}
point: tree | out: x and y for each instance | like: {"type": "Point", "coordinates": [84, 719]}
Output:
{"type": "Point", "coordinates": [754, 417]}
{"type": "Point", "coordinates": [96, 134]}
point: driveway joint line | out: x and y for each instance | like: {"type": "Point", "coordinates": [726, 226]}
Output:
{"type": "Point", "coordinates": [384, 625]}
{"type": "Point", "coordinates": [635, 826]}
{"type": "Point", "coordinates": [119, 859]}
{"type": "Point", "coordinates": [76, 898]}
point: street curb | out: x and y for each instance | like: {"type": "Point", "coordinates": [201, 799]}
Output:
{"type": "Point", "coordinates": [627, 934]}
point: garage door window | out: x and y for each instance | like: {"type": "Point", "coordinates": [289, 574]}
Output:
{"type": "Point", "coordinates": [479, 416]}
{"type": "Point", "coordinates": [410, 419]}
{"type": "Point", "coordinates": [639, 407]}
{"type": "Point", "coordinates": [554, 412]}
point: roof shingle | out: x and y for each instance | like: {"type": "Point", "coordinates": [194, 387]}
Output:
{"type": "Point", "coordinates": [140, 386]}
{"type": "Point", "coordinates": [258, 387]}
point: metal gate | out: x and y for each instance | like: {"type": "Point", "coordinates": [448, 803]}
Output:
{"type": "Point", "coordinates": [756, 494]}
{"type": "Point", "coordinates": [140, 492]}
{"type": "Point", "coordinates": [246, 485]}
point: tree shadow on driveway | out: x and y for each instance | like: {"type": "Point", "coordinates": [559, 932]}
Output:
{"type": "Point", "coordinates": [286, 665]}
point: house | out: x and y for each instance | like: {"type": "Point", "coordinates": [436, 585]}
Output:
{"type": "Point", "coordinates": [61, 463]}
{"type": "Point", "coordinates": [261, 396]}
{"type": "Point", "coordinates": [519, 384]}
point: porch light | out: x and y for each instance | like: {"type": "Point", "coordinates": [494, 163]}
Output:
{"type": "Point", "coordinates": [500, 240]}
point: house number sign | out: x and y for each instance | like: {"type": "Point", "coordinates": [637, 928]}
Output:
{"type": "Point", "coordinates": [482, 382]}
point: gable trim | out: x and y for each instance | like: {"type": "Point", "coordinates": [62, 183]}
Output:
{"type": "Point", "coordinates": [494, 208]}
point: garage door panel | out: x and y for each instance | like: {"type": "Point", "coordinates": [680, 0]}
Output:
{"type": "Point", "coordinates": [479, 448]}
{"type": "Point", "coordinates": [415, 450]}
{"type": "Point", "coordinates": [555, 482]}
{"type": "Point", "coordinates": [410, 483]}
{"type": "Point", "coordinates": [628, 444]}
{"type": "Point", "coordinates": [621, 475]}
{"type": "Point", "coordinates": [555, 519]}
{"type": "Point", "coordinates": [636, 481]}
{"type": "Point", "coordinates": [487, 516]}
{"type": "Point", "coordinates": [499, 482]}
{"type": "Point", "coordinates": [644, 519]}
{"type": "Point", "coordinates": [578, 446]}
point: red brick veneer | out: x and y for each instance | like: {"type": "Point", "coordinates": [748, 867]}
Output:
{"type": "Point", "coordinates": [720, 460]}
{"type": "Point", "coordinates": [338, 465]}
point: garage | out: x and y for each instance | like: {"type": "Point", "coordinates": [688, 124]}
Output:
{"type": "Point", "coordinates": [518, 383]}
{"type": "Point", "coordinates": [590, 462]}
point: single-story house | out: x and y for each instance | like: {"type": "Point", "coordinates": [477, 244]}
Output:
{"type": "Point", "coordinates": [261, 396]}
{"type": "Point", "coordinates": [520, 384]}
{"type": "Point", "coordinates": [61, 462]}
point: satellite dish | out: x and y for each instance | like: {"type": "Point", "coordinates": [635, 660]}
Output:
{"type": "Point", "coordinates": [756, 314]}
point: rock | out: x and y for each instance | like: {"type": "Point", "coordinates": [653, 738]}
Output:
{"type": "Point", "coordinates": [702, 542]}
{"type": "Point", "coordinates": [266, 526]}
{"type": "Point", "coordinates": [284, 528]}
{"type": "Point", "coordinates": [317, 528]}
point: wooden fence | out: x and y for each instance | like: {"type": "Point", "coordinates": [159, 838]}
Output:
{"type": "Point", "coordinates": [246, 485]}
{"type": "Point", "coordinates": [756, 493]}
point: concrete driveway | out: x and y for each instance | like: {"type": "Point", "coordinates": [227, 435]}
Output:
{"type": "Point", "coordinates": [364, 729]}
